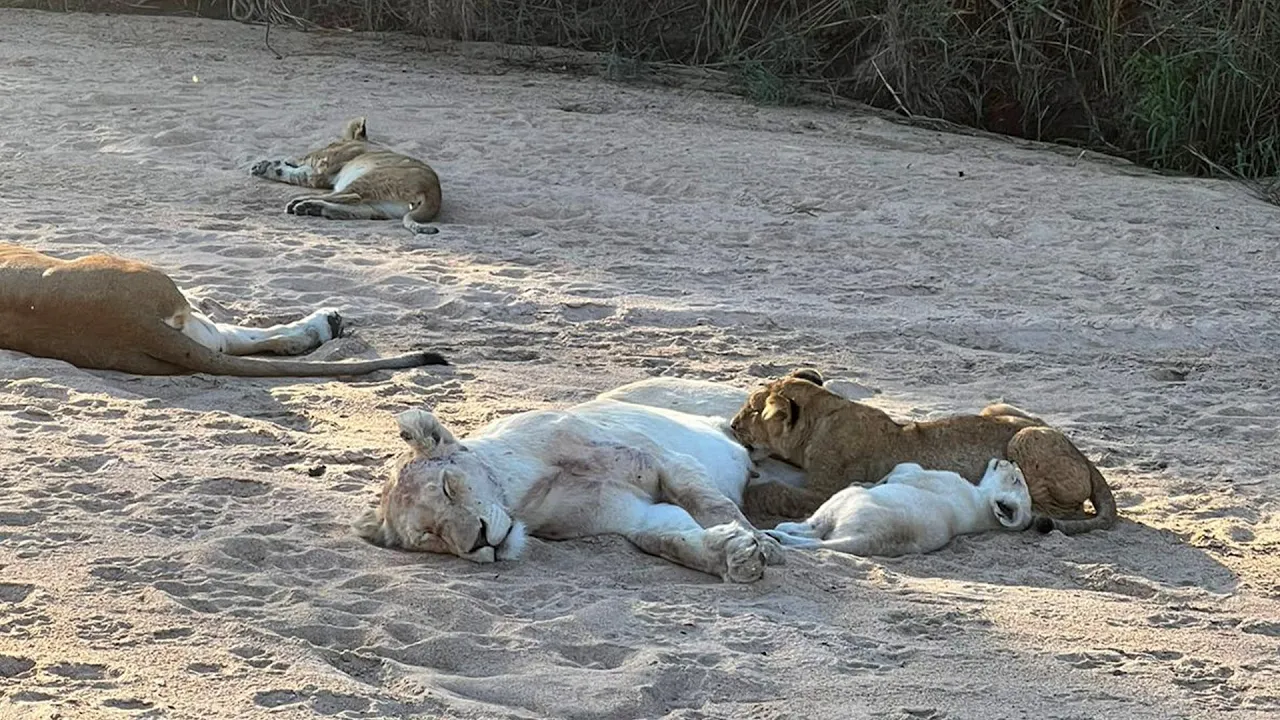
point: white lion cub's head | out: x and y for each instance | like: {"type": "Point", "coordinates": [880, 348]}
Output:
{"type": "Point", "coordinates": [1005, 489]}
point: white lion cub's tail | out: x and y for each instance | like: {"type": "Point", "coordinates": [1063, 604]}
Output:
{"type": "Point", "coordinates": [428, 437]}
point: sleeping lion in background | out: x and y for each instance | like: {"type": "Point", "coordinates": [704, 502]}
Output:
{"type": "Point", "coordinates": [839, 442]}
{"type": "Point", "coordinates": [365, 182]}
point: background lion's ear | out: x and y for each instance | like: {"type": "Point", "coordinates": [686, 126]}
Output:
{"type": "Point", "coordinates": [776, 406]}
{"type": "Point", "coordinates": [371, 527]}
{"type": "Point", "coordinates": [355, 130]}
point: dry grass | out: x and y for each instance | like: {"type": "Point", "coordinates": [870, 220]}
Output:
{"type": "Point", "coordinates": [1180, 85]}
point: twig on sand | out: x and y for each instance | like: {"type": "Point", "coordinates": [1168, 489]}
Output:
{"type": "Point", "coordinates": [267, 41]}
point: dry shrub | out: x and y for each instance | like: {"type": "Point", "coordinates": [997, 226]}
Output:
{"type": "Point", "coordinates": [1182, 85]}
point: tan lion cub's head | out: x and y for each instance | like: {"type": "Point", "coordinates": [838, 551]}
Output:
{"type": "Point", "coordinates": [769, 420]}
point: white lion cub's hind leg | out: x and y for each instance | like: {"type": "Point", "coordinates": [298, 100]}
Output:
{"type": "Point", "coordinates": [795, 534]}
{"type": "Point", "coordinates": [424, 432]}
{"type": "Point", "coordinates": [292, 338]}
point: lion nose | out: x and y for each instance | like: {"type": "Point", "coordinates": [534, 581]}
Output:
{"type": "Point", "coordinates": [482, 539]}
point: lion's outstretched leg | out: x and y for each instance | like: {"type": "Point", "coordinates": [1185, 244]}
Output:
{"type": "Point", "coordinates": [683, 483]}
{"type": "Point", "coordinates": [342, 206]}
{"type": "Point", "coordinates": [1060, 478]}
{"type": "Point", "coordinates": [292, 338]}
{"type": "Point", "coordinates": [288, 171]}
{"type": "Point", "coordinates": [731, 551]}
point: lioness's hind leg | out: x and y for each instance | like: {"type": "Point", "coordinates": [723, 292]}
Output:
{"type": "Point", "coordinates": [344, 198]}
{"type": "Point", "coordinates": [343, 206]}
{"type": "Point", "coordinates": [292, 338]}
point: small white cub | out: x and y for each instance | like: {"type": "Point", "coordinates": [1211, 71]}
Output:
{"type": "Point", "coordinates": [913, 510]}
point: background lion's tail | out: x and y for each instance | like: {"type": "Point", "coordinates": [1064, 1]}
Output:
{"type": "Point", "coordinates": [182, 351]}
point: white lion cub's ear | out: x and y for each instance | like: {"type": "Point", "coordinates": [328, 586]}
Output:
{"type": "Point", "coordinates": [777, 406]}
{"type": "Point", "coordinates": [355, 130]}
{"type": "Point", "coordinates": [371, 527]}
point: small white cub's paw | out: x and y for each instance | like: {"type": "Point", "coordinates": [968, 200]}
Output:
{"type": "Point", "coordinates": [787, 539]}
{"type": "Point", "coordinates": [424, 432]}
{"type": "Point", "coordinates": [772, 549]}
{"type": "Point", "coordinates": [742, 557]}
{"type": "Point", "coordinates": [1005, 469]}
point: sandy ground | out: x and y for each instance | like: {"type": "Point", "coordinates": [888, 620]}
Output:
{"type": "Point", "coordinates": [177, 547]}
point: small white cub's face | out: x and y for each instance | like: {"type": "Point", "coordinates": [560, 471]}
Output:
{"type": "Point", "coordinates": [1006, 488]}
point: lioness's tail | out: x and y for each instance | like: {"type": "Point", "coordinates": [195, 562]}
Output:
{"type": "Point", "coordinates": [180, 350]}
{"type": "Point", "coordinates": [426, 206]}
{"type": "Point", "coordinates": [1104, 506]}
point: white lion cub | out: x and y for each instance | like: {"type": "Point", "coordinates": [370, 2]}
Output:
{"type": "Point", "coordinates": [913, 510]}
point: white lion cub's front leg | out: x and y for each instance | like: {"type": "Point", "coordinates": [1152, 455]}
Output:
{"type": "Point", "coordinates": [286, 171]}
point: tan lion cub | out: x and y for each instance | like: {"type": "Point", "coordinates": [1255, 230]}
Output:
{"type": "Point", "coordinates": [367, 182]}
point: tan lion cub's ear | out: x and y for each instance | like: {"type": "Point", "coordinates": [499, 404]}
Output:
{"type": "Point", "coordinates": [355, 130]}
{"type": "Point", "coordinates": [779, 407]}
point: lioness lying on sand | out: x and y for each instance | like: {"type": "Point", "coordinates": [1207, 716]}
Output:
{"type": "Point", "coordinates": [105, 313]}
{"type": "Point", "coordinates": [839, 442]}
{"type": "Point", "coordinates": [913, 510]}
{"type": "Point", "coordinates": [668, 481]}
{"type": "Point", "coordinates": [366, 182]}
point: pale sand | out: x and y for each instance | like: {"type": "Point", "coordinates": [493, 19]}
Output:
{"type": "Point", "coordinates": [165, 553]}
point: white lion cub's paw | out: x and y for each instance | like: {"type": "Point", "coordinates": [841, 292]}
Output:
{"type": "Point", "coordinates": [428, 437]}
{"type": "Point", "coordinates": [743, 558]}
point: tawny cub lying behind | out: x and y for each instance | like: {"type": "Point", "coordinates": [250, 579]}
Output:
{"type": "Point", "coordinates": [367, 182]}
{"type": "Point", "coordinates": [913, 510]}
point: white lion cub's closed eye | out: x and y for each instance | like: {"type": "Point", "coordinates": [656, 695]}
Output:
{"type": "Point", "coordinates": [426, 435]}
